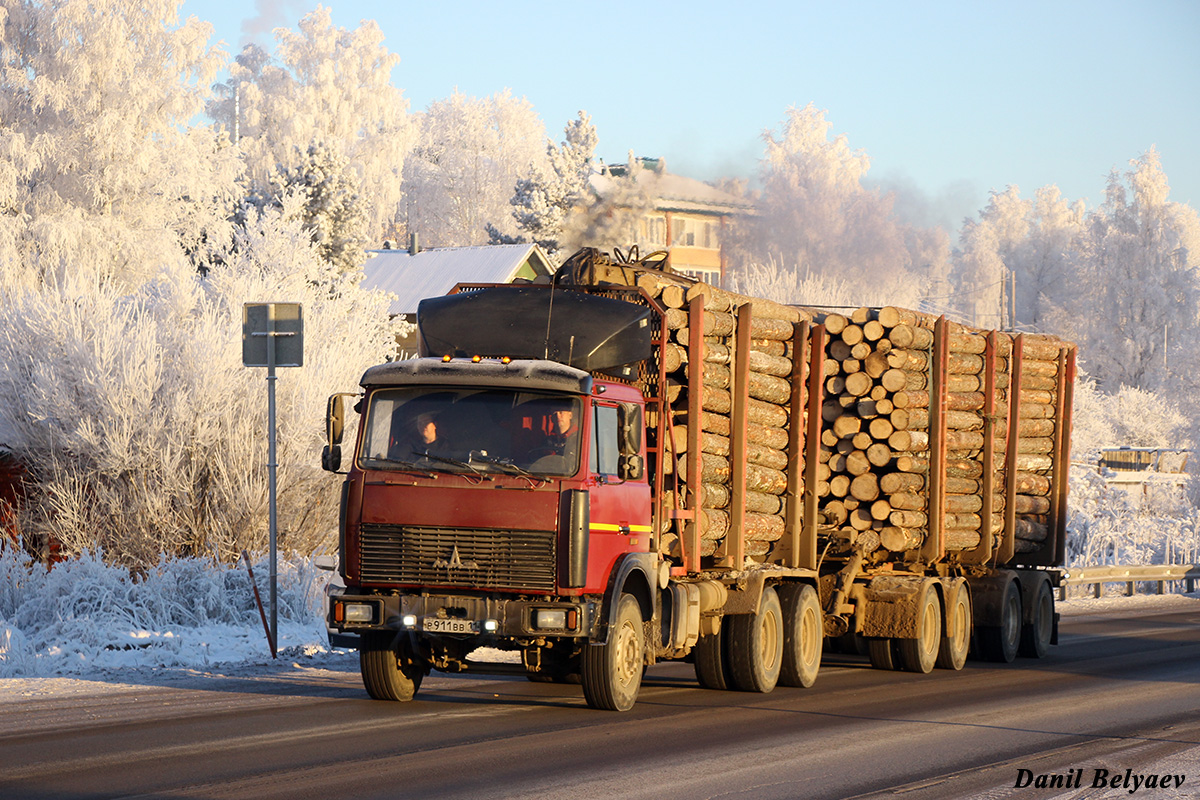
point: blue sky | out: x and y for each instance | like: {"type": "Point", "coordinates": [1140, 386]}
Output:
{"type": "Point", "coordinates": [949, 99]}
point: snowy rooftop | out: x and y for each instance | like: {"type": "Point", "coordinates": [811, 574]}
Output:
{"type": "Point", "coordinates": [673, 192]}
{"type": "Point", "coordinates": [434, 272]}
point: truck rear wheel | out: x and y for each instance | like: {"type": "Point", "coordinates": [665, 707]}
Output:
{"type": "Point", "coordinates": [920, 654]}
{"type": "Point", "coordinates": [803, 634]}
{"type": "Point", "coordinates": [611, 673]}
{"type": "Point", "coordinates": [1000, 642]}
{"type": "Point", "coordinates": [711, 661]}
{"type": "Point", "coordinates": [756, 645]}
{"type": "Point", "coordinates": [1035, 637]}
{"type": "Point", "coordinates": [956, 645]}
{"type": "Point", "coordinates": [882, 652]}
{"type": "Point", "coordinates": [388, 673]}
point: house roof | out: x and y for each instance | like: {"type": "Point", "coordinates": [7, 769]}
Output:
{"type": "Point", "coordinates": [432, 273]}
{"type": "Point", "coordinates": [672, 192]}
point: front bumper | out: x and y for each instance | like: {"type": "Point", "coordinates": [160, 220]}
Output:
{"type": "Point", "coordinates": [488, 618]}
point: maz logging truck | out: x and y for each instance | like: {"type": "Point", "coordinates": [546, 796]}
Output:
{"type": "Point", "coordinates": [627, 466]}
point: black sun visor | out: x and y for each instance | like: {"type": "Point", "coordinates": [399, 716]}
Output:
{"type": "Point", "coordinates": [586, 331]}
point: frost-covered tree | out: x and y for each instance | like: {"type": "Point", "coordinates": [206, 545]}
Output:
{"type": "Point", "coordinates": [101, 167]}
{"type": "Point", "coordinates": [1136, 285]}
{"type": "Point", "coordinates": [332, 86]}
{"type": "Point", "coordinates": [773, 282]}
{"type": "Point", "coordinates": [332, 210]}
{"type": "Point", "coordinates": [1032, 245]}
{"type": "Point", "coordinates": [983, 264]}
{"type": "Point", "coordinates": [815, 215]}
{"type": "Point", "coordinates": [469, 154]}
{"type": "Point", "coordinates": [225, 107]}
{"type": "Point", "coordinates": [543, 200]}
{"type": "Point", "coordinates": [142, 432]}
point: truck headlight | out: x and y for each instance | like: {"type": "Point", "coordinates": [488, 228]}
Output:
{"type": "Point", "coordinates": [359, 612]}
{"type": "Point", "coordinates": [550, 618]}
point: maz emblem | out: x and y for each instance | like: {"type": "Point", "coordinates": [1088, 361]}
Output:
{"type": "Point", "coordinates": [455, 562]}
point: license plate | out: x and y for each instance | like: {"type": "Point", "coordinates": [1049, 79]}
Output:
{"type": "Point", "coordinates": [438, 625]}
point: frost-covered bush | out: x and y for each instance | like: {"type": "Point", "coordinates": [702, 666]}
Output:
{"type": "Point", "coordinates": [86, 615]}
{"type": "Point", "coordinates": [141, 431]}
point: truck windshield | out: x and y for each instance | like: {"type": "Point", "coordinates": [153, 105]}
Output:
{"type": "Point", "coordinates": [472, 430]}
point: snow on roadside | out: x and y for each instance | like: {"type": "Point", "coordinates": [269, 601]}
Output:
{"type": "Point", "coordinates": [85, 617]}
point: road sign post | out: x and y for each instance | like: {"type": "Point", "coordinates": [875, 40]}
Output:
{"type": "Point", "coordinates": [272, 336]}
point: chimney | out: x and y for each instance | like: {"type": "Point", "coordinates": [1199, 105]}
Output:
{"type": "Point", "coordinates": [414, 246]}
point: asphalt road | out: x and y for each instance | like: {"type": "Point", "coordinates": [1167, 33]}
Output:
{"type": "Point", "coordinates": [1121, 692]}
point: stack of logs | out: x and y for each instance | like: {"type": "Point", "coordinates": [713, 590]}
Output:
{"type": "Point", "coordinates": [874, 457]}
{"type": "Point", "coordinates": [875, 433]}
{"type": "Point", "coordinates": [772, 330]}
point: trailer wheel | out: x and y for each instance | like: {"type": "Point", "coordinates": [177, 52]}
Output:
{"type": "Point", "coordinates": [1035, 637]}
{"type": "Point", "coordinates": [711, 661]}
{"type": "Point", "coordinates": [803, 634]}
{"type": "Point", "coordinates": [882, 652]}
{"type": "Point", "coordinates": [954, 649]}
{"type": "Point", "coordinates": [920, 654]}
{"type": "Point", "coordinates": [756, 645]}
{"type": "Point", "coordinates": [1000, 642]}
{"type": "Point", "coordinates": [387, 673]}
{"type": "Point", "coordinates": [611, 673]}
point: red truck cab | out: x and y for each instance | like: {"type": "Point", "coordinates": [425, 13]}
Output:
{"type": "Point", "coordinates": [490, 502]}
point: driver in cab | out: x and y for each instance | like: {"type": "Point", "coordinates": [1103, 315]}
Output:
{"type": "Point", "coordinates": [561, 439]}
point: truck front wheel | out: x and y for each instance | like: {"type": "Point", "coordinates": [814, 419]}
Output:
{"type": "Point", "coordinates": [756, 645]}
{"type": "Point", "coordinates": [388, 673]}
{"type": "Point", "coordinates": [611, 673]}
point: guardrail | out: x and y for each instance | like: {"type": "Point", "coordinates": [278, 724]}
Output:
{"type": "Point", "coordinates": [1131, 575]}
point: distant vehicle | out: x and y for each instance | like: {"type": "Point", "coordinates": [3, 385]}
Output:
{"type": "Point", "coordinates": [1143, 470]}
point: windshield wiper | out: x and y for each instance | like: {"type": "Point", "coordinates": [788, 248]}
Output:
{"type": "Point", "coordinates": [455, 462]}
{"type": "Point", "coordinates": [399, 466]}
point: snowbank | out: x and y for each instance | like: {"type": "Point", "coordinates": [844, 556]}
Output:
{"type": "Point", "coordinates": [85, 617]}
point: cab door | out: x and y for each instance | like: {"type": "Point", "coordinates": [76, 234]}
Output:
{"type": "Point", "coordinates": [619, 502]}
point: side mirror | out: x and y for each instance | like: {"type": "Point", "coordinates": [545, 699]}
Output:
{"type": "Point", "coordinates": [335, 419]}
{"type": "Point", "coordinates": [629, 424]}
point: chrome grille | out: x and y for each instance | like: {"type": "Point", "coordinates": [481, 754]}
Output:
{"type": "Point", "coordinates": [485, 559]}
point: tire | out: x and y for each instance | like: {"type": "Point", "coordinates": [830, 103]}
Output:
{"type": "Point", "coordinates": [803, 634]}
{"type": "Point", "coordinates": [999, 643]}
{"type": "Point", "coordinates": [611, 673]}
{"type": "Point", "coordinates": [921, 653]}
{"type": "Point", "coordinates": [954, 649]}
{"type": "Point", "coordinates": [756, 645]}
{"type": "Point", "coordinates": [388, 673]}
{"type": "Point", "coordinates": [710, 661]}
{"type": "Point", "coordinates": [882, 652]}
{"type": "Point", "coordinates": [1035, 637]}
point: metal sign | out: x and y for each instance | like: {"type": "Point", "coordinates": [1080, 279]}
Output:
{"type": "Point", "coordinates": [272, 336]}
{"type": "Point", "coordinates": [277, 327]}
